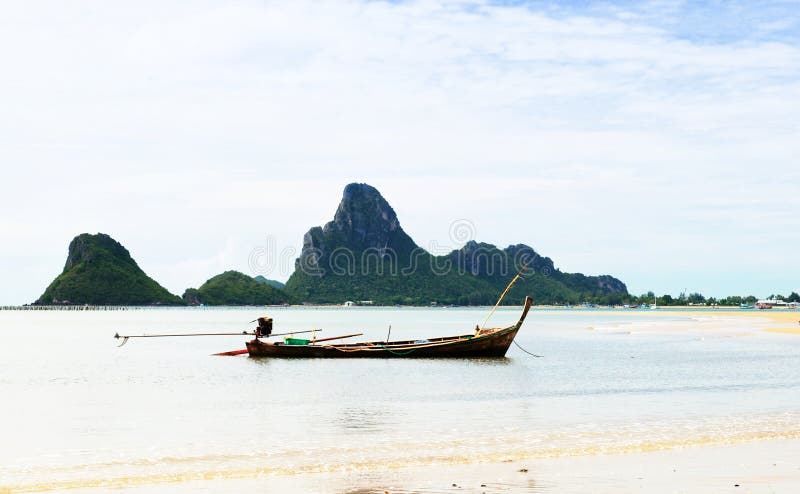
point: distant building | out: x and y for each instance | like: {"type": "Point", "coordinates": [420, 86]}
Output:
{"type": "Point", "coordinates": [349, 303]}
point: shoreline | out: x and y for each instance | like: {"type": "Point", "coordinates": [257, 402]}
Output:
{"type": "Point", "coordinates": [750, 466]}
{"type": "Point", "coordinates": [753, 467]}
{"type": "Point", "coordinates": [788, 319]}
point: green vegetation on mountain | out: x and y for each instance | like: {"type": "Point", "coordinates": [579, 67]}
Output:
{"type": "Point", "coordinates": [364, 254]}
{"type": "Point", "coordinates": [277, 284]}
{"type": "Point", "coordinates": [235, 288]}
{"type": "Point", "coordinates": [100, 271]}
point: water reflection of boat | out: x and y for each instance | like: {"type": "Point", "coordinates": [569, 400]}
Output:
{"type": "Point", "coordinates": [483, 342]}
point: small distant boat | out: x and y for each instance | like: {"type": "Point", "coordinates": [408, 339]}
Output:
{"type": "Point", "coordinates": [746, 306]}
{"type": "Point", "coordinates": [487, 342]}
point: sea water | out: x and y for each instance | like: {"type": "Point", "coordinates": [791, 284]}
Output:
{"type": "Point", "coordinates": [163, 415]}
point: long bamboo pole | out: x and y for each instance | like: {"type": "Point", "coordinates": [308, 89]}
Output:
{"type": "Point", "coordinates": [117, 336]}
{"type": "Point", "coordinates": [513, 280]}
{"type": "Point", "coordinates": [336, 337]}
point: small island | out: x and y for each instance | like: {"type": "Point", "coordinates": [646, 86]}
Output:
{"type": "Point", "coordinates": [235, 288]}
{"type": "Point", "coordinates": [100, 271]}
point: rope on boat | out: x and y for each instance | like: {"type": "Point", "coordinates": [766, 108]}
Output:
{"type": "Point", "coordinates": [526, 351]}
{"type": "Point", "coordinates": [394, 352]}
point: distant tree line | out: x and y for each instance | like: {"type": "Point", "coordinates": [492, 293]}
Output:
{"type": "Point", "coordinates": [698, 299]}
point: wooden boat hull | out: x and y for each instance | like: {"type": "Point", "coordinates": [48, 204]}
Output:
{"type": "Point", "coordinates": [488, 343]}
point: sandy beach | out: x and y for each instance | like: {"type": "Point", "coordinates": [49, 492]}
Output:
{"type": "Point", "coordinates": [786, 321]}
{"type": "Point", "coordinates": [757, 467]}
{"type": "Point", "coordinates": [751, 467]}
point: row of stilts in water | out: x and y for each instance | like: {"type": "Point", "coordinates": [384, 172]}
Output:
{"type": "Point", "coordinates": [68, 307]}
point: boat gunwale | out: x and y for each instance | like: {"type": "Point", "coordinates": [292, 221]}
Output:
{"type": "Point", "coordinates": [409, 344]}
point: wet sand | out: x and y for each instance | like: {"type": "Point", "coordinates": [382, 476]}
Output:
{"type": "Point", "coordinates": [758, 467]}
{"type": "Point", "coordinates": [754, 467]}
{"type": "Point", "coordinates": [786, 321]}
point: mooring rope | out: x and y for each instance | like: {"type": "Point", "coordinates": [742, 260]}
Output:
{"type": "Point", "coordinates": [526, 351]}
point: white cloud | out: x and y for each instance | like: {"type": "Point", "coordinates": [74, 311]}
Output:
{"type": "Point", "coordinates": [196, 124]}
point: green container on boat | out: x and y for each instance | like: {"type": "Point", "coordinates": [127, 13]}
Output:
{"type": "Point", "coordinates": [295, 341]}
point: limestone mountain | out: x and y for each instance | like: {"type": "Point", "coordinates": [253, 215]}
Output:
{"type": "Point", "coordinates": [235, 288]}
{"type": "Point", "coordinates": [364, 254]}
{"type": "Point", "coordinates": [364, 223]}
{"type": "Point", "coordinates": [100, 271]}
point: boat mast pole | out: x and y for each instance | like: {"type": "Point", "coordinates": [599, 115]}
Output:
{"type": "Point", "coordinates": [513, 280]}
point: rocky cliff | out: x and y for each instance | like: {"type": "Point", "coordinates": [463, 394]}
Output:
{"type": "Point", "coordinates": [364, 223]}
{"type": "Point", "coordinates": [364, 254]}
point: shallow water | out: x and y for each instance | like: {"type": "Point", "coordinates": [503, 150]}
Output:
{"type": "Point", "coordinates": [161, 415]}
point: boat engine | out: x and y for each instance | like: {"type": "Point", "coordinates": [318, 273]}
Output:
{"type": "Point", "coordinates": [264, 327]}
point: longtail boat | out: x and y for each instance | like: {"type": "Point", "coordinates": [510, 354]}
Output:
{"type": "Point", "coordinates": [483, 342]}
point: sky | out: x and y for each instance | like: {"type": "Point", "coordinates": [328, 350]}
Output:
{"type": "Point", "coordinates": [654, 141]}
